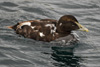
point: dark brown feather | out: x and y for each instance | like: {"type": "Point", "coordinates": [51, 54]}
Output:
{"type": "Point", "coordinates": [41, 29]}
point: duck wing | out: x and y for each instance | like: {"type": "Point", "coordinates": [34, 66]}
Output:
{"type": "Point", "coordinates": [43, 30]}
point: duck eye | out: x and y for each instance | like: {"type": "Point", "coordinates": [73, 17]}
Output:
{"type": "Point", "coordinates": [73, 25]}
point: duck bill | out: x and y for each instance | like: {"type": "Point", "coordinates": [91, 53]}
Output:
{"type": "Point", "coordinates": [9, 27]}
{"type": "Point", "coordinates": [82, 28]}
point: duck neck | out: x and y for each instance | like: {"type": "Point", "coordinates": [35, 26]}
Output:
{"type": "Point", "coordinates": [63, 33]}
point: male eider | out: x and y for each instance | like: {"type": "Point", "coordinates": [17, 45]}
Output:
{"type": "Point", "coordinates": [48, 29]}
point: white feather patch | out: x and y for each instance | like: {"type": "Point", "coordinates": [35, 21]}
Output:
{"type": "Point", "coordinates": [51, 26]}
{"type": "Point", "coordinates": [25, 23]}
{"type": "Point", "coordinates": [41, 34]}
{"type": "Point", "coordinates": [60, 24]}
{"type": "Point", "coordinates": [32, 27]}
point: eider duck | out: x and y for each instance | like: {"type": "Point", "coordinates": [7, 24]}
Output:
{"type": "Point", "coordinates": [48, 29]}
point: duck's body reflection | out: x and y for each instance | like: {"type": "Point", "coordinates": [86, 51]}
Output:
{"type": "Point", "coordinates": [64, 55]}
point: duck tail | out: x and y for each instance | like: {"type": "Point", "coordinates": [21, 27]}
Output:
{"type": "Point", "coordinates": [9, 27]}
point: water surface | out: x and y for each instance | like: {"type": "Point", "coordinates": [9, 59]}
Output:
{"type": "Point", "coordinates": [16, 51]}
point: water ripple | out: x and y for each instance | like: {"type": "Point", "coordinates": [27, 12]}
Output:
{"type": "Point", "coordinates": [16, 51]}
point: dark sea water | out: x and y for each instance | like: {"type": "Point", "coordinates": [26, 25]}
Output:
{"type": "Point", "coordinates": [16, 51]}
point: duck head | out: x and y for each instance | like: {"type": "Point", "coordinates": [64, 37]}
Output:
{"type": "Point", "coordinates": [67, 23]}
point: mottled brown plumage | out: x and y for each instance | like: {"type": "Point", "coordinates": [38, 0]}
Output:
{"type": "Point", "coordinates": [47, 29]}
